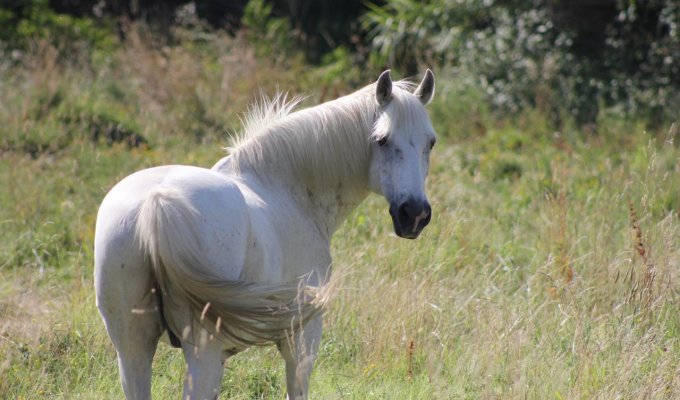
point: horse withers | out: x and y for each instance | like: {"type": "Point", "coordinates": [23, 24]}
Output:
{"type": "Point", "coordinates": [238, 255]}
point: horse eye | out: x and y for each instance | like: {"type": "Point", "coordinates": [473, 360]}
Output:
{"type": "Point", "coordinates": [382, 141]}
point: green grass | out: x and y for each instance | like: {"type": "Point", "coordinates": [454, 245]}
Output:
{"type": "Point", "coordinates": [527, 283]}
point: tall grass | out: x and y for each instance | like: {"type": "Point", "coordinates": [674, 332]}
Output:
{"type": "Point", "coordinates": [550, 268]}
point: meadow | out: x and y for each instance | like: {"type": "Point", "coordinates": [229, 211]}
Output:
{"type": "Point", "coordinates": [550, 269]}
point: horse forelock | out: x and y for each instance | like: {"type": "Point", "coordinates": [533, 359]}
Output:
{"type": "Point", "coordinates": [404, 111]}
{"type": "Point", "coordinates": [330, 139]}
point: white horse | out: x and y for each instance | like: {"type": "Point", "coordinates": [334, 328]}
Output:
{"type": "Point", "coordinates": [228, 257]}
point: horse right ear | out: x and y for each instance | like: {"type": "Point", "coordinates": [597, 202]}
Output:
{"type": "Point", "coordinates": [383, 89]}
{"type": "Point", "coordinates": [425, 90]}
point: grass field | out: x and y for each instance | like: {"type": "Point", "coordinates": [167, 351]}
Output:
{"type": "Point", "coordinates": [550, 269]}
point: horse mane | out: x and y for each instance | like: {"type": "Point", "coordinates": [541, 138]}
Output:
{"type": "Point", "coordinates": [328, 141]}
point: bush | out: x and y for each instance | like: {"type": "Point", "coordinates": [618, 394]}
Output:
{"type": "Point", "coordinates": [541, 54]}
{"type": "Point", "coordinates": [270, 36]}
{"type": "Point", "coordinates": [24, 22]}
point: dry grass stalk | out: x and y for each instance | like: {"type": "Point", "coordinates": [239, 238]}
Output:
{"type": "Point", "coordinates": [558, 202]}
{"type": "Point", "coordinates": [563, 259]}
{"type": "Point", "coordinates": [641, 289]}
{"type": "Point", "coordinates": [411, 350]}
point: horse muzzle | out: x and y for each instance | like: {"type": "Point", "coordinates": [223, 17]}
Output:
{"type": "Point", "coordinates": [410, 217]}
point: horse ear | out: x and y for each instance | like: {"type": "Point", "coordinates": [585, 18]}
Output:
{"type": "Point", "coordinates": [425, 90]}
{"type": "Point", "coordinates": [383, 88]}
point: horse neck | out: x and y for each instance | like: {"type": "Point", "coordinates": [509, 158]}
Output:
{"type": "Point", "coordinates": [328, 179]}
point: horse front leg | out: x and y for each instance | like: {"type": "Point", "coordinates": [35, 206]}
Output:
{"type": "Point", "coordinates": [299, 351]}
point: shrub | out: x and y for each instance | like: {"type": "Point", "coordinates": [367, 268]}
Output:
{"type": "Point", "coordinates": [26, 21]}
{"type": "Point", "coordinates": [541, 54]}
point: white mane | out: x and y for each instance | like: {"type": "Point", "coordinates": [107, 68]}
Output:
{"type": "Point", "coordinates": [262, 114]}
{"type": "Point", "coordinates": [324, 142]}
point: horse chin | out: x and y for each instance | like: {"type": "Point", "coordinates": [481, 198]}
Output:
{"type": "Point", "coordinates": [410, 236]}
{"type": "Point", "coordinates": [405, 232]}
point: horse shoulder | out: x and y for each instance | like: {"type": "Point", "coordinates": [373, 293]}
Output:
{"type": "Point", "coordinates": [285, 243]}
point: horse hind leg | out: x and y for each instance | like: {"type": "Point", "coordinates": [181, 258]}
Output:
{"type": "Point", "coordinates": [205, 365]}
{"type": "Point", "coordinates": [135, 357]}
{"type": "Point", "coordinates": [130, 312]}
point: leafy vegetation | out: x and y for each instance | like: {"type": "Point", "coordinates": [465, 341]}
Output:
{"type": "Point", "coordinates": [572, 62]}
{"type": "Point", "coordinates": [550, 269]}
{"type": "Point", "coordinates": [569, 60]}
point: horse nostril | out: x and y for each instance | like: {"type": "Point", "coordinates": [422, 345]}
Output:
{"type": "Point", "coordinates": [410, 217]}
{"type": "Point", "coordinates": [405, 212]}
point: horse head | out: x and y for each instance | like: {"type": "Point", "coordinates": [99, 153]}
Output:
{"type": "Point", "coordinates": [402, 140]}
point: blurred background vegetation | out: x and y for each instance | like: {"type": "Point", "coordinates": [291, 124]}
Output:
{"type": "Point", "coordinates": [574, 61]}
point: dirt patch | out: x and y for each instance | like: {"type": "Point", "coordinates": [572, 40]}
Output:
{"type": "Point", "coordinates": [26, 312]}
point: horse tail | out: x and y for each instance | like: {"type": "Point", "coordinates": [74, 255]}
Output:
{"type": "Point", "coordinates": [245, 313]}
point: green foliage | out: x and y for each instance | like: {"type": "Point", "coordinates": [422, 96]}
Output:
{"type": "Point", "coordinates": [339, 68]}
{"type": "Point", "coordinates": [570, 63]}
{"type": "Point", "coordinates": [27, 21]}
{"type": "Point", "coordinates": [642, 60]}
{"type": "Point", "coordinates": [66, 119]}
{"type": "Point", "coordinates": [407, 33]}
{"type": "Point", "coordinates": [101, 122]}
{"type": "Point", "coordinates": [525, 55]}
{"type": "Point", "coordinates": [270, 36]}
{"type": "Point", "coordinates": [513, 55]}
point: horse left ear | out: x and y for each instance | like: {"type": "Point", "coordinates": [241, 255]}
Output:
{"type": "Point", "coordinates": [425, 90]}
{"type": "Point", "coordinates": [383, 89]}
